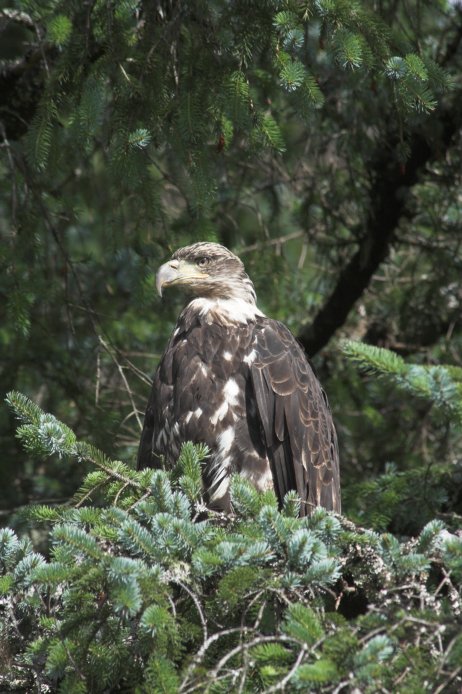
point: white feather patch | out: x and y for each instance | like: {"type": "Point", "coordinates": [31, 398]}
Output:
{"type": "Point", "coordinates": [225, 441]}
{"type": "Point", "coordinates": [221, 489]}
{"type": "Point", "coordinates": [162, 438]}
{"type": "Point", "coordinates": [221, 463]}
{"type": "Point", "coordinates": [231, 391]}
{"type": "Point", "coordinates": [233, 310]}
{"type": "Point", "coordinates": [250, 358]}
{"type": "Point", "coordinates": [219, 414]}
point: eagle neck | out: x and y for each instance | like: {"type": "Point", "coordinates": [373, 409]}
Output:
{"type": "Point", "coordinates": [221, 311]}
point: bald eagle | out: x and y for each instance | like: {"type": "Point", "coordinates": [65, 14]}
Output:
{"type": "Point", "coordinates": [238, 381]}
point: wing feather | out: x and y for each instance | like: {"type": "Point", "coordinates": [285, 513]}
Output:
{"type": "Point", "coordinates": [299, 433]}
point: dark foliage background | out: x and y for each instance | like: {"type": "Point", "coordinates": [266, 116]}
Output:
{"type": "Point", "coordinates": [319, 140]}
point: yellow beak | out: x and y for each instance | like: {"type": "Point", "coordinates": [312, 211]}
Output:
{"type": "Point", "coordinates": [177, 272]}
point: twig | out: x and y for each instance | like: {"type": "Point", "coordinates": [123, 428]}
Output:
{"type": "Point", "coordinates": [402, 676]}
{"type": "Point", "coordinates": [14, 190]}
{"type": "Point", "coordinates": [244, 671]}
{"type": "Point", "coordinates": [202, 651]}
{"type": "Point", "coordinates": [451, 677]}
{"type": "Point", "coordinates": [282, 683]}
{"type": "Point", "coordinates": [89, 493]}
{"type": "Point", "coordinates": [200, 611]}
{"type": "Point", "coordinates": [146, 495]}
{"type": "Point", "coordinates": [271, 242]}
{"type": "Point", "coordinates": [111, 472]}
{"type": "Point", "coordinates": [447, 652]}
{"type": "Point", "coordinates": [256, 625]}
{"type": "Point", "coordinates": [138, 372]}
{"type": "Point", "coordinates": [119, 493]}
{"type": "Point", "coordinates": [249, 644]}
{"type": "Point", "coordinates": [98, 376]}
{"type": "Point", "coordinates": [172, 605]}
{"type": "Point", "coordinates": [121, 372]}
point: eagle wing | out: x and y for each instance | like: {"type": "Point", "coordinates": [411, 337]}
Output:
{"type": "Point", "coordinates": [297, 425]}
{"type": "Point", "coordinates": [159, 396]}
{"type": "Point", "coordinates": [145, 453]}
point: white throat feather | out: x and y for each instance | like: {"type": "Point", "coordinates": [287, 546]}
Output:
{"type": "Point", "coordinates": [235, 310]}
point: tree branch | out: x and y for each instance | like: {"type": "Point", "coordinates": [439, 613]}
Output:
{"type": "Point", "coordinates": [389, 193]}
{"type": "Point", "coordinates": [388, 197]}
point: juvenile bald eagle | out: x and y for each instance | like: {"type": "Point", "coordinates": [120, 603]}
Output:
{"type": "Point", "coordinates": [239, 382]}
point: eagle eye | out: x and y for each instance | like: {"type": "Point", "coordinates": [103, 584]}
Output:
{"type": "Point", "coordinates": [202, 262]}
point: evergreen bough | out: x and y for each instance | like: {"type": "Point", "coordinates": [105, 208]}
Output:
{"type": "Point", "coordinates": [440, 385]}
{"type": "Point", "coordinates": [426, 488]}
{"type": "Point", "coordinates": [142, 590]}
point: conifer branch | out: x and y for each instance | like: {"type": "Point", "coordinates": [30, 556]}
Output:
{"type": "Point", "coordinates": [198, 658]}
{"type": "Point", "coordinates": [387, 207]}
{"type": "Point", "coordinates": [246, 645]}
{"type": "Point", "coordinates": [388, 196]}
{"type": "Point", "coordinates": [286, 679]}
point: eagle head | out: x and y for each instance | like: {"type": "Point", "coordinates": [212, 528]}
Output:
{"type": "Point", "coordinates": [206, 270]}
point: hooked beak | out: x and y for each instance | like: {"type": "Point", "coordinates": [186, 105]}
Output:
{"type": "Point", "coordinates": [177, 272]}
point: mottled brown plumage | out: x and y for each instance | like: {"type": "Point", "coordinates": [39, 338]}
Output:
{"type": "Point", "coordinates": [238, 381]}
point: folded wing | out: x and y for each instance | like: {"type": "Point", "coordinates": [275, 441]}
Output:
{"type": "Point", "coordinates": [296, 421]}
